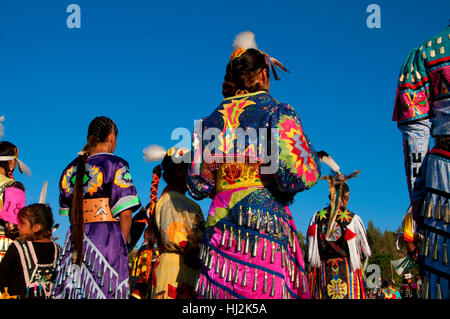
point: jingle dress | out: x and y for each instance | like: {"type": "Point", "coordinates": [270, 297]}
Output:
{"type": "Point", "coordinates": [422, 110]}
{"type": "Point", "coordinates": [104, 271]}
{"type": "Point", "coordinates": [250, 247]}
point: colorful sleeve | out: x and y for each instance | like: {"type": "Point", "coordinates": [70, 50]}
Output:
{"type": "Point", "coordinates": [123, 192]}
{"type": "Point", "coordinates": [298, 166]}
{"type": "Point", "coordinates": [66, 183]}
{"type": "Point", "coordinates": [201, 177]}
{"type": "Point", "coordinates": [411, 112]}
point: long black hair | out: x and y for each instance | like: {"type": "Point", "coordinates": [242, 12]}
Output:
{"type": "Point", "coordinates": [241, 73]}
{"type": "Point", "coordinates": [99, 129]}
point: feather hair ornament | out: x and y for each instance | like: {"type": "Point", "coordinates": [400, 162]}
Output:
{"type": "Point", "coordinates": [154, 153]}
{"type": "Point", "coordinates": [43, 195]}
{"type": "Point", "coordinates": [335, 182]}
{"type": "Point", "coordinates": [245, 40]}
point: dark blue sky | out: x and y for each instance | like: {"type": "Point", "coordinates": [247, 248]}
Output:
{"type": "Point", "coordinates": [155, 66]}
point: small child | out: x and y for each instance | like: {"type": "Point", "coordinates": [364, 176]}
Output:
{"type": "Point", "coordinates": [27, 270]}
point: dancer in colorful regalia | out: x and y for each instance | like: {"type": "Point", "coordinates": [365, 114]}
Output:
{"type": "Point", "coordinates": [250, 248]}
{"type": "Point", "coordinates": [337, 243]}
{"type": "Point", "coordinates": [12, 194]}
{"type": "Point", "coordinates": [178, 224]}
{"type": "Point", "coordinates": [422, 109]}
{"type": "Point", "coordinates": [98, 194]}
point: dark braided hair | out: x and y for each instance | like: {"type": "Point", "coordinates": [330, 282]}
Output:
{"type": "Point", "coordinates": [7, 149]}
{"type": "Point", "coordinates": [99, 129]}
{"type": "Point", "coordinates": [38, 214]}
{"type": "Point", "coordinates": [241, 73]}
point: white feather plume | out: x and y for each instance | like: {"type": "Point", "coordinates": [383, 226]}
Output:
{"type": "Point", "coordinates": [24, 168]}
{"type": "Point", "coordinates": [43, 195]}
{"type": "Point", "coordinates": [245, 40]}
{"type": "Point", "coordinates": [328, 160]}
{"type": "Point", "coordinates": [2, 128]}
{"type": "Point", "coordinates": [154, 153]}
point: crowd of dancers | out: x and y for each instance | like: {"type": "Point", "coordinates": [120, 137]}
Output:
{"type": "Point", "coordinates": [247, 247]}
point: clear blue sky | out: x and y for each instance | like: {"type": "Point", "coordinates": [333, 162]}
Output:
{"type": "Point", "coordinates": [155, 66]}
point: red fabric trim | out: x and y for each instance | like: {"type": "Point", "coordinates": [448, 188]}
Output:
{"type": "Point", "coordinates": [183, 243]}
{"type": "Point", "coordinates": [171, 291]}
{"type": "Point", "coordinates": [311, 230]}
{"type": "Point", "coordinates": [349, 234]}
{"type": "Point", "coordinates": [429, 63]}
{"type": "Point", "coordinates": [413, 86]}
{"type": "Point", "coordinates": [437, 151]}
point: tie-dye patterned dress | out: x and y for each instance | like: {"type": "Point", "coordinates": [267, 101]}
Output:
{"type": "Point", "coordinates": [250, 247]}
{"type": "Point", "coordinates": [104, 271]}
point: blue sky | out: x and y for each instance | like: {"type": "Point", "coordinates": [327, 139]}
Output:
{"type": "Point", "coordinates": [156, 66]}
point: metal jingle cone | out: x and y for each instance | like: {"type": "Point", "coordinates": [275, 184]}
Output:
{"type": "Point", "coordinates": [240, 220]}
{"type": "Point", "coordinates": [294, 246]}
{"type": "Point", "coordinates": [239, 241]}
{"type": "Point", "coordinates": [222, 241]}
{"type": "Point", "coordinates": [217, 270]}
{"type": "Point", "coordinates": [430, 208]}
{"type": "Point", "coordinates": [236, 275]}
{"type": "Point", "coordinates": [224, 268]}
{"type": "Point", "coordinates": [268, 224]}
{"type": "Point", "coordinates": [230, 238]}
{"type": "Point", "coordinates": [217, 292]}
{"type": "Point", "coordinates": [247, 244]}
{"type": "Point", "coordinates": [265, 283]}
{"type": "Point", "coordinates": [284, 290]}
{"type": "Point", "coordinates": [283, 261]}
{"type": "Point", "coordinates": [444, 254]}
{"type": "Point", "coordinates": [272, 290]}
{"type": "Point", "coordinates": [277, 226]}
{"type": "Point", "coordinates": [207, 257]}
{"type": "Point", "coordinates": [427, 245]}
{"type": "Point", "coordinates": [210, 261]}
{"type": "Point", "coordinates": [244, 278]}
{"type": "Point", "coordinates": [208, 289]}
{"type": "Point", "coordinates": [292, 271]}
{"type": "Point", "coordinates": [230, 272]}
{"type": "Point", "coordinates": [435, 247]}
{"type": "Point", "coordinates": [249, 217]}
{"type": "Point", "coordinates": [264, 254]}
{"type": "Point", "coordinates": [258, 221]}
{"type": "Point", "coordinates": [438, 291]}
{"type": "Point", "coordinates": [255, 280]}
{"type": "Point", "coordinates": [197, 285]}
{"type": "Point", "coordinates": [304, 283]}
{"type": "Point", "coordinates": [272, 257]}
{"type": "Point", "coordinates": [255, 246]}
{"type": "Point", "coordinates": [425, 288]}
{"type": "Point", "coordinates": [438, 210]}
{"type": "Point", "coordinates": [297, 280]}
{"type": "Point", "coordinates": [446, 213]}
{"type": "Point", "coordinates": [423, 208]}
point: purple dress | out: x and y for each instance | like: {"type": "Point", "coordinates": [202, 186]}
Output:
{"type": "Point", "coordinates": [104, 270]}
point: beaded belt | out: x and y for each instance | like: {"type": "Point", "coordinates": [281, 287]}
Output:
{"type": "Point", "coordinates": [97, 210]}
{"type": "Point", "coordinates": [237, 175]}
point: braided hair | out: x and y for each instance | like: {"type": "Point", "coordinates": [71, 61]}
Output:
{"type": "Point", "coordinates": [99, 129]}
{"type": "Point", "coordinates": [241, 73]}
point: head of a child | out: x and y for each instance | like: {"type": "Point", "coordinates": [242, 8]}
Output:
{"type": "Point", "coordinates": [35, 222]}
{"type": "Point", "coordinates": [175, 168]}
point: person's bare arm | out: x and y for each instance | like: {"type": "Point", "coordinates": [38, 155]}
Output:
{"type": "Point", "coordinates": [125, 223]}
